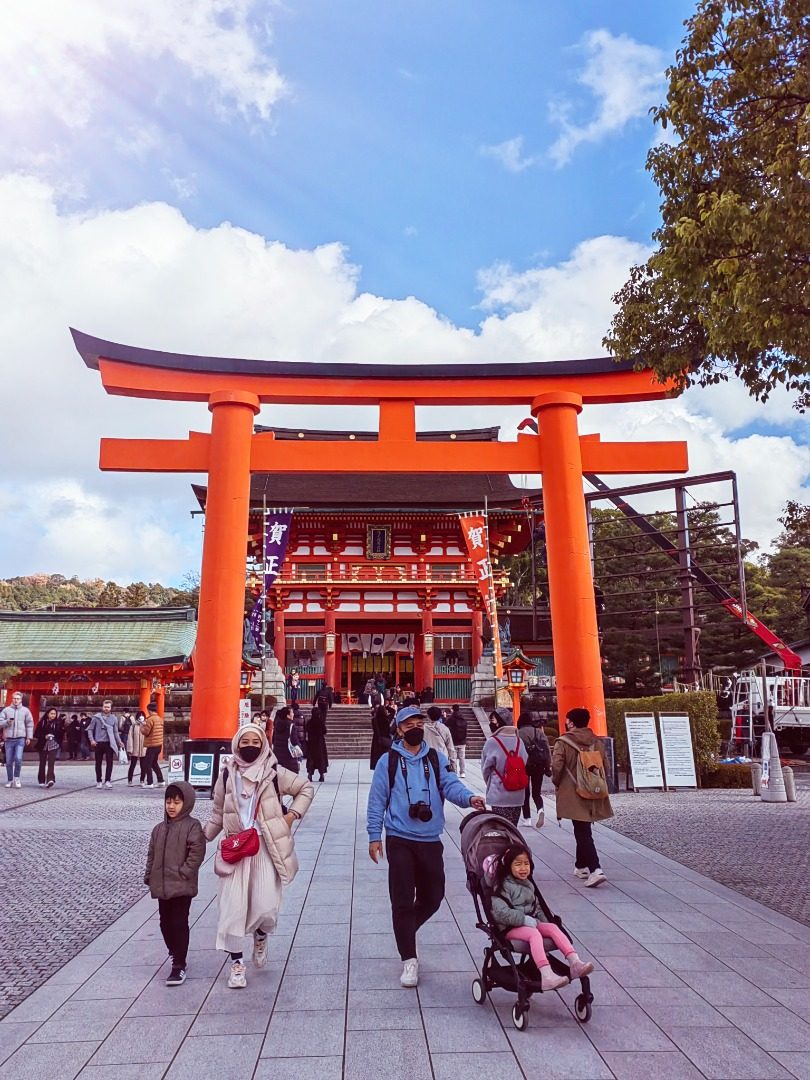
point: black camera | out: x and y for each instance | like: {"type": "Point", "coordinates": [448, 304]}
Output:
{"type": "Point", "coordinates": [420, 810]}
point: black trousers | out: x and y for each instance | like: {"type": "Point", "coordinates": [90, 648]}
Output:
{"type": "Point", "coordinates": [415, 885]}
{"type": "Point", "coordinates": [46, 758]}
{"type": "Point", "coordinates": [151, 769]}
{"type": "Point", "coordinates": [133, 761]}
{"type": "Point", "coordinates": [174, 927]}
{"type": "Point", "coordinates": [534, 787]}
{"type": "Point", "coordinates": [105, 753]}
{"type": "Point", "coordinates": [586, 849]}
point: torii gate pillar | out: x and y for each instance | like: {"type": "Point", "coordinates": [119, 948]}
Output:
{"type": "Point", "coordinates": [577, 660]}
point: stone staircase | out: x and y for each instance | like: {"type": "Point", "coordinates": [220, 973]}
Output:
{"type": "Point", "coordinates": [349, 732]}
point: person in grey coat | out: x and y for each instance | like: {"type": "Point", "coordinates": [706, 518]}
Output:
{"type": "Point", "coordinates": [17, 725]}
{"type": "Point", "coordinates": [493, 762]}
{"type": "Point", "coordinates": [105, 741]}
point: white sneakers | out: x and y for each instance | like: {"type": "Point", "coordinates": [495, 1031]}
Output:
{"type": "Point", "coordinates": [99, 784]}
{"type": "Point", "coordinates": [581, 872]}
{"type": "Point", "coordinates": [541, 818]}
{"type": "Point", "coordinates": [18, 782]}
{"type": "Point", "coordinates": [410, 973]}
{"type": "Point", "coordinates": [594, 879]}
{"type": "Point", "coordinates": [108, 783]}
{"type": "Point", "coordinates": [259, 950]}
{"type": "Point", "coordinates": [10, 783]}
{"type": "Point", "coordinates": [237, 979]}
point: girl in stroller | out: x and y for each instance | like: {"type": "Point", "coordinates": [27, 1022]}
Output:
{"type": "Point", "coordinates": [516, 911]}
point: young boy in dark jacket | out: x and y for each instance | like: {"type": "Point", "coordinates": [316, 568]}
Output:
{"type": "Point", "coordinates": [176, 852]}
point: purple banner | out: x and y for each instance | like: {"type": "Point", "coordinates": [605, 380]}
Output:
{"type": "Point", "coordinates": [277, 526]}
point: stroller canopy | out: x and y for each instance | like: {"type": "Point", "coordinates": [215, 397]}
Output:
{"type": "Point", "coordinates": [483, 834]}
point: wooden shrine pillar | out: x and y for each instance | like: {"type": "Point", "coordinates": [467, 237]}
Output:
{"type": "Point", "coordinates": [329, 658]}
{"type": "Point", "coordinates": [577, 659]}
{"type": "Point", "coordinates": [160, 698]}
{"type": "Point", "coordinates": [477, 640]}
{"type": "Point", "coordinates": [279, 637]}
{"type": "Point", "coordinates": [34, 699]}
{"type": "Point", "coordinates": [426, 664]}
{"type": "Point", "coordinates": [144, 695]}
{"type": "Point", "coordinates": [218, 658]}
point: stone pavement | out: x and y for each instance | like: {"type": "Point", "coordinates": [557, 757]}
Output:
{"type": "Point", "coordinates": [673, 996]}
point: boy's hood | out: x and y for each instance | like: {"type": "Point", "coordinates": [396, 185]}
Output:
{"type": "Point", "coordinates": [189, 798]}
{"type": "Point", "coordinates": [581, 736]}
{"type": "Point", "coordinates": [420, 753]}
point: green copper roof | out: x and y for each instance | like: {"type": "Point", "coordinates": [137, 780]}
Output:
{"type": "Point", "coordinates": [100, 638]}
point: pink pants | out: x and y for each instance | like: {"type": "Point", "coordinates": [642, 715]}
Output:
{"type": "Point", "coordinates": [535, 935]}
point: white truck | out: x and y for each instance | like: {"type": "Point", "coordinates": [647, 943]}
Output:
{"type": "Point", "coordinates": [788, 701]}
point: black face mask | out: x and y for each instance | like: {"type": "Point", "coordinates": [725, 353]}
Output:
{"type": "Point", "coordinates": [414, 736]}
{"type": "Point", "coordinates": [249, 753]}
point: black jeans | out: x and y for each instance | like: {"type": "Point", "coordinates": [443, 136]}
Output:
{"type": "Point", "coordinates": [133, 761]}
{"type": "Point", "coordinates": [150, 765]}
{"type": "Point", "coordinates": [46, 758]}
{"type": "Point", "coordinates": [105, 753]}
{"type": "Point", "coordinates": [586, 849]}
{"type": "Point", "coordinates": [534, 786]}
{"type": "Point", "coordinates": [174, 927]}
{"type": "Point", "coordinates": [415, 885]}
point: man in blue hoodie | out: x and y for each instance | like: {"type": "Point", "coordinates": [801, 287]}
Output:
{"type": "Point", "coordinates": [412, 810]}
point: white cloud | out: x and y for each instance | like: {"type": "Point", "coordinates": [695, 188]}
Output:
{"type": "Point", "coordinates": [510, 154]}
{"type": "Point", "coordinates": [146, 276]}
{"type": "Point", "coordinates": [624, 78]}
{"type": "Point", "coordinates": [62, 59]}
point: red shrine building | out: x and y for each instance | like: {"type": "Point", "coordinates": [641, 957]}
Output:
{"type": "Point", "coordinates": [377, 578]}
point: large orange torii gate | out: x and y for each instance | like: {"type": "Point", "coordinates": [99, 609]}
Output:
{"type": "Point", "coordinates": [235, 390]}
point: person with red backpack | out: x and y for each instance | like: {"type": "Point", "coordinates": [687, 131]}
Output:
{"type": "Point", "coordinates": [580, 778]}
{"type": "Point", "coordinates": [503, 765]}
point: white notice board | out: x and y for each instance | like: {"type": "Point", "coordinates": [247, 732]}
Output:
{"type": "Point", "coordinates": [645, 757]}
{"type": "Point", "coordinates": [676, 743]}
{"type": "Point", "coordinates": [244, 711]}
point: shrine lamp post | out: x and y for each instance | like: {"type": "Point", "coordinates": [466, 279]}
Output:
{"type": "Point", "coordinates": [516, 669]}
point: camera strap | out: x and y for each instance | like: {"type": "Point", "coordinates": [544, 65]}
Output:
{"type": "Point", "coordinates": [431, 757]}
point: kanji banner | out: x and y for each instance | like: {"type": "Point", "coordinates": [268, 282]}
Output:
{"type": "Point", "coordinates": [476, 535]}
{"type": "Point", "coordinates": [277, 526]}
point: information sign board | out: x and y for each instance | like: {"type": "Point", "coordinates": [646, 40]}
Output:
{"type": "Point", "coordinates": [645, 756]}
{"type": "Point", "coordinates": [244, 711]}
{"type": "Point", "coordinates": [676, 744]}
{"type": "Point", "coordinates": [176, 768]}
{"type": "Point", "coordinates": [201, 770]}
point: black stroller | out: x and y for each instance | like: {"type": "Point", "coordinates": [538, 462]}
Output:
{"type": "Point", "coordinates": [484, 834]}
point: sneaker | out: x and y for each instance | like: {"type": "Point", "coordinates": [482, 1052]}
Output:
{"type": "Point", "coordinates": [108, 783]}
{"type": "Point", "coordinates": [525, 819]}
{"type": "Point", "coordinates": [177, 977]}
{"type": "Point", "coordinates": [550, 981]}
{"type": "Point", "coordinates": [462, 775]}
{"type": "Point", "coordinates": [578, 968]}
{"type": "Point", "coordinates": [148, 785]}
{"type": "Point", "coordinates": [161, 783]}
{"type": "Point", "coordinates": [129, 783]}
{"type": "Point", "coordinates": [236, 979]}
{"type": "Point", "coordinates": [594, 879]}
{"type": "Point", "coordinates": [99, 784]}
{"type": "Point", "coordinates": [581, 871]}
{"type": "Point", "coordinates": [18, 782]}
{"type": "Point", "coordinates": [410, 973]}
{"type": "Point", "coordinates": [42, 783]}
{"type": "Point", "coordinates": [541, 818]}
{"type": "Point", "coordinates": [259, 950]}
{"type": "Point", "coordinates": [10, 783]}
{"type": "Point", "coordinates": [50, 783]}
{"type": "Point", "coordinates": [143, 783]}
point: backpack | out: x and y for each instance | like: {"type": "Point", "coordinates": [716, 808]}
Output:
{"type": "Point", "coordinates": [590, 781]}
{"type": "Point", "coordinates": [514, 776]}
{"type": "Point", "coordinates": [538, 757]}
{"type": "Point", "coordinates": [432, 757]}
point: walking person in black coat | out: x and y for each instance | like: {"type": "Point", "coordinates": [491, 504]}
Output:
{"type": "Point", "coordinates": [282, 730]}
{"type": "Point", "coordinates": [48, 738]}
{"type": "Point", "coordinates": [317, 757]}
{"type": "Point", "coordinates": [380, 734]}
{"type": "Point", "coordinates": [538, 764]}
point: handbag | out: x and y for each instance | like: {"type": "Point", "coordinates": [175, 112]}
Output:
{"type": "Point", "coordinates": [239, 845]}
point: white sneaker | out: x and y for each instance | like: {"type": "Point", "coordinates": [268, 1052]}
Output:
{"type": "Point", "coordinates": [581, 871]}
{"type": "Point", "coordinates": [108, 783]}
{"type": "Point", "coordinates": [410, 973]}
{"type": "Point", "coordinates": [10, 783]}
{"type": "Point", "coordinates": [99, 784]}
{"type": "Point", "coordinates": [541, 818]}
{"type": "Point", "coordinates": [42, 784]}
{"type": "Point", "coordinates": [18, 783]}
{"type": "Point", "coordinates": [259, 950]}
{"type": "Point", "coordinates": [462, 775]}
{"type": "Point", "coordinates": [594, 879]}
{"type": "Point", "coordinates": [237, 979]}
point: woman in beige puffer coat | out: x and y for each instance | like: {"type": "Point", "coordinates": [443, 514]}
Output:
{"type": "Point", "coordinates": [250, 890]}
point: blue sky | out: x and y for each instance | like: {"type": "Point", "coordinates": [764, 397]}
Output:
{"type": "Point", "coordinates": [403, 181]}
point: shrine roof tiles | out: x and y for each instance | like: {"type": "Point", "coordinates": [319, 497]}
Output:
{"type": "Point", "coordinates": [97, 638]}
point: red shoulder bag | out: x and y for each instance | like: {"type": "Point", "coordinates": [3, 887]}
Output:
{"type": "Point", "coordinates": [243, 844]}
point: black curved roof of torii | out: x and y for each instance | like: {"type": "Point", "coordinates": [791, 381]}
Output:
{"type": "Point", "coordinates": [92, 349]}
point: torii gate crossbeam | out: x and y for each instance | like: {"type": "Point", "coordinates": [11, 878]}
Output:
{"type": "Point", "coordinates": [235, 390]}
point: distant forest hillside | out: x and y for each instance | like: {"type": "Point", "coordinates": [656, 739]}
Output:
{"type": "Point", "coordinates": [37, 591]}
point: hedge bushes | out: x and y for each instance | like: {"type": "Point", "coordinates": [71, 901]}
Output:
{"type": "Point", "coordinates": [701, 707]}
{"type": "Point", "coordinates": [726, 775]}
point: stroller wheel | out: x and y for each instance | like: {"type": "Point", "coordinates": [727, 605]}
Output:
{"type": "Point", "coordinates": [582, 1008]}
{"type": "Point", "coordinates": [478, 992]}
{"type": "Point", "coordinates": [520, 1018]}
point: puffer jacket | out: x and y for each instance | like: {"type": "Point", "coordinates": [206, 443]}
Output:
{"type": "Point", "coordinates": [269, 816]}
{"type": "Point", "coordinates": [176, 852]}
{"type": "Point", "coordinates": [564, 767]}
{"type": "Point", "coordinates": [516, 900]}
{"type": "Point", "coordinates": [153, 730]}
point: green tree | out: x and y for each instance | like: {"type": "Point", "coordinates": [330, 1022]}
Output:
{"type": "Point", "coordinates": [112, 595]}
{"type": "Point", "coordinates": [136, 595]}
{"type": "Point", "coordinates": [728, 287]}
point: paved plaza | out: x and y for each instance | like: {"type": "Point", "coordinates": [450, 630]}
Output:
{"type": "Point", "coordinates": [675, 953]}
